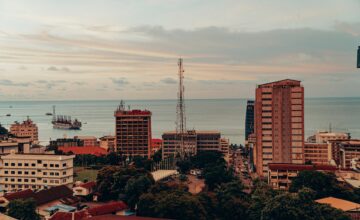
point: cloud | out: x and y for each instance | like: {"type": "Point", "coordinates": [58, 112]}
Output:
{"type": "Point", "coordinates": [49, 84]}
{"type": "Point", "coordinates": [168, 81]}
{"type": "Point", "coordinates": [120, 82]}
{"type": "Point", "coordinates": [54, 68]}
{"type": "Point", "coordinates": [6, 82]}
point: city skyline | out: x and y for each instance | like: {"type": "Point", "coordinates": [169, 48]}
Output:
{"type": "Point", "coordinates": [120, 50]}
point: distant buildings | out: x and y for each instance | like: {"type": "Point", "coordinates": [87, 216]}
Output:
{"type": "Point", "coordinates": [133, 132]}
{"type": "Point", "coordinates": [17, 145]}
{"type": "Point", "coordinates": [194, 141]}
{"type": "Point", "coordinates": [317, 153]}
{"type": "Point", "coordinates": [91, 141]}
{"type": "Point", "coordinates": [107, 142]}
{"type": "Point", "coordinates": [279, 124]}
{"type": "Point", "coordinates": [325, 136]}
{"type": "Point", "coordinates": [249, 119]}
{"type": "Point", "coordinates": [344, 152]}
{"type": "Point", "coordinates": [26, 129]}
{"type": "Point", "coordinates": [35, 171]}
{"type": "Point", "coordinates": [96, 151]}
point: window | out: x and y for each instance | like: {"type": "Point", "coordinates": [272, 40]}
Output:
{"type": "Point", "coordinates": [19, 180]}
{"type": "Point", "coordinates": [51, 174]}
{"type": "Point", "coordinates": [6, 164]}
{"type": "Point", "coordinates": [12, 164]}
{"type": "Point", "coordinates": [56, 165]}
{"type": "Point", "coordinates": [26, 172]}
{"type": "Point", "coordinates": [33, 164]}
{"type": "Point", "coordinates": [39, 161]}
{"type": "Point", "coordinates": [26, 180]}
{"type": "Point", "coordinates": [45, 165]}
{"type": "Point", "coordinates": [45, 173]}
{"type": "Point", "coordinates": [64, 164]}
{"type": "Point", "coordinates": [12, 179]}
{"type": "Point", "coordinates": [33, 173]}
{"type": "Point", "coordinates": [6, 172]}
{"type": "Point", "coordinates": [56, 174]}
{"type": "Point", "coordinates": [33, 180]}
{"type": "Point", "coordinates": [51, 165]}
{"type": "Point", "coordinates": [19, 172]}
{"type": "Point", "coordinates": [26, 164]}
{"type": "Point", "coordinates": [6, 179]}
{"type": "Point", "coordinates": [12, 172]}
{"type": "Point", "coordinates": [64, 173]}
{"type": "Point", "coordinates": [45, 181]}
{"type": "Point", "coordinates": [20, 164]}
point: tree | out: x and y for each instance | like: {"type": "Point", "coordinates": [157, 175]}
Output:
{"type": "Point", "coordinates": [23, 209]}
{"type": "Point", "coordinates": [184, 166]}
{"type": "Point", "coordinates": [207, 158]}
{"type": "Point", "coordinates": [324, 185]}
{"type": "Point", "coordinates": [135, 187]}
{"type": "Point", "coordinates": [298, 206]}
{"type": "Point", "coordinates": [171, 203]}
{"type": "Point", "coordinates": [157, 157]}
{"type": "Point", "coordinates": [216, 175]}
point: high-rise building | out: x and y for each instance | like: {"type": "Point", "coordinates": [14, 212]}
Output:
{"type": "Point", "coordinates": [25, 129]}
{"type": "Point", "coordinates": [249, 120]}
{"type": "Point", "coordinates": [279, 124]}
{"type": "Point", "coordinates": [133, 132]}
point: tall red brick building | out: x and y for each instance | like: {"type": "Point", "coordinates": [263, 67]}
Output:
{"type": "Point", "coordinates": [279, 124]}
{"type": "Point", "coordinates": [133, 132]}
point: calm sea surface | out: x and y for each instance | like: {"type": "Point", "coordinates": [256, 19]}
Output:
{"type": "Point", "coordinates": [225, 115]}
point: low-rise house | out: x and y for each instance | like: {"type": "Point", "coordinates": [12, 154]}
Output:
{"type": "Point", "coordinates": [351, 208]}
{"type": "Point", "coordinates": [84, 189]}
{"type": "Point", "coordinates": [88, 140]}
{"type": "Point", "coordinates": [280, 175]}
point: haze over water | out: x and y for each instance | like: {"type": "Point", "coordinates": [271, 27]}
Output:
{"type": "Point", "coordinates": [225, 115]}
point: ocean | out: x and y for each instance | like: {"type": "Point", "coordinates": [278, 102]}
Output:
{"type": "Point", "coordinates": [225, 115]}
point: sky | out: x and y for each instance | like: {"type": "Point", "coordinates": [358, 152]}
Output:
{"type": "Point", "coordinates": [126, 49]}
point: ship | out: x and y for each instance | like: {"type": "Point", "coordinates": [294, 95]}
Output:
{"type": "Point", "coordinates": [65, 122]}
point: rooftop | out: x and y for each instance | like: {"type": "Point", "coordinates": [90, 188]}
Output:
{"type": "Point", "coordinates": [97, 151]}
{"type": "Point", "coordinates": [37, 156]}
{"type": "Point", "coordinates": [341, 204]}
{"type": "Point", "coordinates": [300, 167]}
{"type": "Point", "coordinates": [281, 83]}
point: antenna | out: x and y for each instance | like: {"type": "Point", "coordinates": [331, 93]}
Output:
{"type": "Point", "coordinates": [180, 109]}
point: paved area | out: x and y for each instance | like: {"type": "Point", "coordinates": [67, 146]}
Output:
{"type": "Point", "coordinates": [195, 185]}
{"type": "Point", "coordinates": [161, 174]}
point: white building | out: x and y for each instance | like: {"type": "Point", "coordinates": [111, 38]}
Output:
{"type": "Point", "coordinates": [35, 171]}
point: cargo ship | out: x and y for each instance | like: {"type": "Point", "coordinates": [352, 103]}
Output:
{"type": "Point", "coordinates": [65, 122]}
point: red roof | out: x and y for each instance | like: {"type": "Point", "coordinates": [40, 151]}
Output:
{"type": "Point", "coordinates": [300, 167]}
{"type": "Point", "coordinates": [69, 215]}
{"type": "Point", "coordinates": [97, 151]}
{"type": "Point", "coordinates": [88, 185]}
{"type": "Point", "coordinates": [20, 195]}
{"type": "Point", "coordinates": [107, 208]}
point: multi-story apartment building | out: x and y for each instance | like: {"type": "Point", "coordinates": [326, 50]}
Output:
{"type": "Point", "coordinates": [172, 143]}
{"type": "Point", "coordinates": [325, 136]}
{"type": "Point", "coordinates": [25, 129]}
{"type": "Point", "coordinates": [18, 145]}
{"type": "Point", "coordinates": [280, 175]}
{"type": "Point", "coordinates": [194, 141]}
{"type": "Point", "coordinates": [35, 171]}
{"type": "Point", "coordinates": [279, 124]}
{"type": "Point", "coordinates": [345, 151]}
{"type": "Point", "coordinates": [249, 119]}
{"type": "Point", "coordinates": [317, 153]}
{"type": "Point", "coordinates": [133, 132]}
{"type": "Point", "coordinates": [225, 146]}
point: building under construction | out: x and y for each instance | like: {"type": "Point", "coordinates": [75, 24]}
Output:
{"type": "Point", "coordinates": [133, 132]}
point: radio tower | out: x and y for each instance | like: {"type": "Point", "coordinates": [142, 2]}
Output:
{"type": "Point", "coordinates": [180, 111]}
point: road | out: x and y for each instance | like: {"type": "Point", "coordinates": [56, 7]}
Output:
{"type": "Point", "coordinates": [241, 169]}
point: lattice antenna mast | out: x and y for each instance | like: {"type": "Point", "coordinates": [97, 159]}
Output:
{"type": "Point", "coordinates": [180, 110]}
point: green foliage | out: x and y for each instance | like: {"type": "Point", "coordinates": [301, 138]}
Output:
{"type": "Point", "coordinates": [123, 183]}
{"type": "Point", "coordinates": [207, 158]}
{"type": "Point", "coordinates": [141, 162]}
{"type": "Point", "coordinates": [172, 203]}
{"type": "Point", "coordinates": [89, 159]}
{"type": "Point", "coordinates": [3, 130]}
{"type": "Point", "coordinates": [298, 207]}
{"type": "Point", "coordinates": [183, 178]}
{"type": "Point", "coordinates": [324, 185]}
{"type": "Point", "coordinates": [23, 209]}
{"type": "Point", "coordinates": [184, 166]}
{"type": "Point", "coordinates": [216, 175]}
{"type": "Point", "coordinates": [157, 157]}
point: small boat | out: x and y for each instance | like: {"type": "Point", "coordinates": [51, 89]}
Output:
{"type": "Point", "coordinates": [48, 114]}
{"type": "Point", "coordinates": [8, 115]}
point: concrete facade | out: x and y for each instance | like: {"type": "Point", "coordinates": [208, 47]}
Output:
{"type": "Point", "coordinates": [279, 124]}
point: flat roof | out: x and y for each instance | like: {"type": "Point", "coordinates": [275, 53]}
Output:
{"type": "Point", "coordinates": [300, 167]}
{"type": "Point", "coordinates": [37, 156]}
{"type": "Point", "coordinates": [339, 203]}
